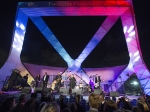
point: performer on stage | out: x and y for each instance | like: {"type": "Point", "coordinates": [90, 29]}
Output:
{"type": "Point", "coordinates": [81, 84]}
{"type": "Point", "coordinates": [12, 80]}
{"type": "Point", "coordinates": [97, 81]}
{"type": "Point", "coordinates": [53, 86]}
{"type": "Point", "coordinates": [26, 79]}
{"type": "Point", "coordinates": [45, 80]}
{"type": "Point", "coordinates": [59, 80]}
{"type": "Point", "coordinates": [37, 79]}
{"type": "Point", "coordinates": [91, 85]}
{"type": "Point", "coordinates": [72, 82]}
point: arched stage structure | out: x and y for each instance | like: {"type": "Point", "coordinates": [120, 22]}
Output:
{"type": "Point", "coordinates": [113, 9]}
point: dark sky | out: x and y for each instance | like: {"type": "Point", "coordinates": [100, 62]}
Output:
{"type": "Point", "coordinates": [74, 33]}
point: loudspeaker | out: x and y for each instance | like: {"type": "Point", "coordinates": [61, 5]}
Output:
{"type": "Point", "coordinates": [114, 93]}
{"type": "Point", "coordinates": [77, 91]}
{"type": "Point", "coordinates": [97, 91]}
{"type": "Point", "coordinates": [26, 90]}
{"type": "Point", "coordinates": [64, 90]}
{"type": "Point", "coordinates": [48, 90]}
{"type": "Point", "coordinates": [38, 89]}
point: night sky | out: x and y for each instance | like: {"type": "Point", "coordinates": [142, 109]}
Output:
{"type": "Point", "coordinates": [74, 33]}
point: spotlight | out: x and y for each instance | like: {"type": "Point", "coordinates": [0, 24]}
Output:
{"type": "Point", "coordinates": [134, 83]}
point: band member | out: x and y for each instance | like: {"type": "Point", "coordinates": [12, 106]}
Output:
{"type": "Point", "coordinates": [72, 82]}
{"type": "Point", "coordinates": [37, 79]}
{"type": "Point", "coordinates": [45, 80]}
{"type": "Point", "coordinates": [12, 80]}
{"type": "Point", "coordinates": [54, 84]}
{"type": "Point", "coordinates": [59, 80]}
{"type": "Point", "coordinates": [81, 84]}
{"type": "Point", "coordinates": [26, 79]}
{"type": "Point", "coordinates": [91, 85]}
{"type": "Point", "coordinates": [97, 81]}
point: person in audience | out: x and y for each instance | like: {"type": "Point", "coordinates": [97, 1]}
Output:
{"type": "Point", "coordinates": [123, 103]}
{"type": "Point", "coordinates": [114, 98]}
{"type": "Point", "coordinates": [8, 104]}
{"type": "Point", "coordinates": [73, 107]}
{"type": "Point", "coordinates": [19, 106]}
{"type": "Point", "coordinates": [141, 98]}
{"type": "Point", "coordinates": [77, 101]}
{"type": "Point", "coordinates": [61, 103]}
{"type": "Point", "coordinates": [136, 109]}
{"type": "Point", "coordinates": [148, 103]}
{"type": "Point", "coordinates": [34, 96]}
{"type": "Point", "coordinates": [50, 97]}
{"type": "Point", "coordinates": [66, 110]}
{"type": "Point", "coordinates": [94, 102]}
{"type": "Point", "coordinates": [143, 106]}
{"type": "Point", "coordinates": [51, 107]}
{"type": "Point", "coordinates": [110, 106]}
{"type": "Point", "coordinates": [29, 106]}
{"type": "Point", "coordinates": [102, 102]}
{"type": "Point", "coordinates": [43, 97]}
{"type": "Point", "coordinates": [41, 106]}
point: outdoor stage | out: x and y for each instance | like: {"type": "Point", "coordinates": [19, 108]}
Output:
{"type": "Point", "coordinates": [115, 76]}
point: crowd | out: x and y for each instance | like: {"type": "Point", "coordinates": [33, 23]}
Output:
{"type": "Point", "coordinates": [76, 103]}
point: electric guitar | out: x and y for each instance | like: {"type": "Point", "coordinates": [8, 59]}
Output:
{"type": "Point", "coordinates": [96, 84]}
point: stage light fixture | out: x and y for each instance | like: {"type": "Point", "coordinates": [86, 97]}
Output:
{"type": "Point", "coordinates": [134, 83]}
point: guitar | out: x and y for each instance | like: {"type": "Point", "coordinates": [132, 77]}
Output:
{"type": "Point", "coordinates": [53, 85]}
{"type": "Point", "coordinates": [96, 84]}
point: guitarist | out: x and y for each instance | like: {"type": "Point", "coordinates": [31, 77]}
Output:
{"type": "Point", "coordinates": [97, 81]}
{"type": "Point", "coordinates": [59, 80]}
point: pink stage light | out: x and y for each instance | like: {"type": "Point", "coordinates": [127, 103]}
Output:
{"type": "Point", "coordinates": [136, 59]}
{"type": "Point", "coordinates": [130, 29]}
{"type": "Point", "coordinates": [136, 53]}
{"type": "Point", "coordinates": [132, 34]}
{"type": "Point", "coordinates": [125, 29]}
{"type": "Point", "coordinates": [128, 39]}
